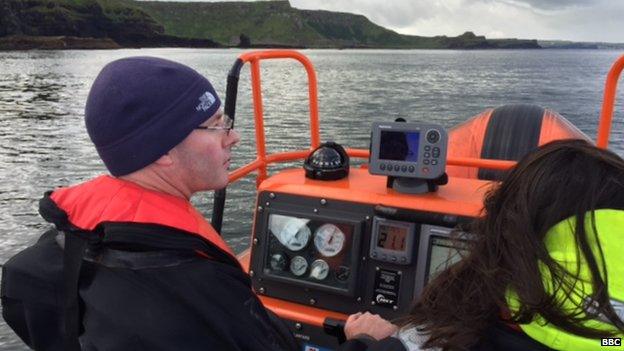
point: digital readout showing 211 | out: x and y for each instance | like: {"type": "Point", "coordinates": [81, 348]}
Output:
{"type": "Point", "coordinates": [392, 238]}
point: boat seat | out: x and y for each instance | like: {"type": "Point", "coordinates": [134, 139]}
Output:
{"type": "Point", "coordinates": [506, 133]}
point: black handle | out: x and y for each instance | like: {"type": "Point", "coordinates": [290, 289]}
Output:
{"type": "Point", "coordinates": [335, 327]}
{"type": "Point", "coordinates": [231, 92]}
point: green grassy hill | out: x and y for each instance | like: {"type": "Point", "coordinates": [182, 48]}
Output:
{"type": "Point", "coordinates": [264, 23]}
{"type": "Point", "coordinates": [271, 22]}
{"type": "Point", "coordinates": [257, 24]}
{"type": "Point", "coordinates": [276, 23]}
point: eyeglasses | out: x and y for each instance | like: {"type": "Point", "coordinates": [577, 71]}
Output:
{"type": "Point", "coordinates": [225, 124]}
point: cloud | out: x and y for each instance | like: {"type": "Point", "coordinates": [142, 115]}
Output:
{"type": "Point", "coordinates": [596, 23]}
{"type": "Point", "coordinates": [397, 13]}
{"type": "Point", "coordinates": [431, 18]}
{"type": "Point", "coordinates": [551, 4]}
{"type": "Point", "coordinates": [586, 20]}
{"type": "Point", "coordinates": [491, 18]}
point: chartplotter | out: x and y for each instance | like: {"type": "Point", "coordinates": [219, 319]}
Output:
{"type": "Point", "coordinates": [329, 240]}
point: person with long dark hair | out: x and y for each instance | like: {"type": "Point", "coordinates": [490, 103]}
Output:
{"type": "Point", "coordinates": [545, 269]}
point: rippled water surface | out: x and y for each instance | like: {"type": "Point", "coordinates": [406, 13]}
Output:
{"type": "Point", "coordinates": [43, 143]}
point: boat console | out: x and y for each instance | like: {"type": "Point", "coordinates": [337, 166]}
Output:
{"type": "Point", "coordinates": [347, 256]}
{"type": "Point", "coordinates": [347, 252]}
{"type": "Point", "coordinates": [330, 240]}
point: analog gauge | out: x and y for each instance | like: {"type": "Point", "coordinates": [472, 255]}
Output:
{"type": "Point", "coordinates": [279, 262]}
{"type": "Point", "coordinates": [329, 240]}
{"type": "Point", "coordinates": [298, 266]}
{"type": "Point", "coordinates": [342, 273]}
{"type": "Point", "coordinates": [292, 232]}
{"type": "Point", "coordinates": [319, 270]}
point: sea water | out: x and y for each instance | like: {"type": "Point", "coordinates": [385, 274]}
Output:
{"type": "Point", "coordinates": [43, 142]}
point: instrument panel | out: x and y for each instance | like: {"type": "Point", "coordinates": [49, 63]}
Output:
{"type": "Point", "coordinates": [344, 256]}
{"type": "Point", "coordinates": [310, 251]}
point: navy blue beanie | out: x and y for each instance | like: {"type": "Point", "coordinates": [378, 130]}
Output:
{"type": "Point", "coordinates": [139, 108]}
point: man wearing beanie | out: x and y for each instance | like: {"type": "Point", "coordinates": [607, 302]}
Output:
{"type": "Point", "coordinates": [131, 264]}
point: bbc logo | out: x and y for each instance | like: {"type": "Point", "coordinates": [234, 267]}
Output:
{"type": "Point", "coordinates": [611, 342]}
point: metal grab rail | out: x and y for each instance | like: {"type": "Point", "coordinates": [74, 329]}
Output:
{"type": "Point", "coordinates": [358, 153]}
{"type": "Point", "coordinates": [608, 103]}
{"type": "Point", "coordinates": [254, 59]}
{"type": "Point", "coordinates": [263, 160]}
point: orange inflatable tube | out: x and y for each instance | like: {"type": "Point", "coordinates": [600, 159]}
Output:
{"type": "Point", "coordinates": [505, 133]}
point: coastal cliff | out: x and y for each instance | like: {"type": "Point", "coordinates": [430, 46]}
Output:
{"type": "Point", "coordinates": [83, 24]}
{"type": "Point", "coordinates": [277, 23]}
{"type": "Point", "coordinates": [60, 24]}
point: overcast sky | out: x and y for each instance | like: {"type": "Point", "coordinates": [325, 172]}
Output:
{"type": "Point", "coordinates": [577, 20]}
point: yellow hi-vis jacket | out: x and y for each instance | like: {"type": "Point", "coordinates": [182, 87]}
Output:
{"type": "Point", "coordinates": [561, 244]}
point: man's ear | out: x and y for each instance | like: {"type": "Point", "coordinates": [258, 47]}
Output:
{"type": "Point", "coordinates": [165, 160]}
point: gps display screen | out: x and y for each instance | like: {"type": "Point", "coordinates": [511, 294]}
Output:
{"type": "Point", "coordinates": [443, 253]}
{"type": "Point", "coordinates": [392, 237]}
{"type": "Point", "coordinates": [399, 146]}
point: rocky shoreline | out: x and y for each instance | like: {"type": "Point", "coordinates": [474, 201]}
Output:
{"type": "Point", "coordinates": [21, 42]}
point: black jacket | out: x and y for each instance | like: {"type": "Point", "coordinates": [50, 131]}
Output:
{"type": "Point", "coordinates": [149, 296]}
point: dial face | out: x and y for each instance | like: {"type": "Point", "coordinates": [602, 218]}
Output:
{"type": "Point", "coordinates": [298, 266]}
{"type": "Point", "coordinates": [279, 262]}
{"type": "Point", "coordinates": [342, 273]}
{"type": "Point", "coordinates": [319, 270]}
{"type": "Point", "coordinates": [292, 232]}
{"type": "Point", "coordinates": [329, 240]}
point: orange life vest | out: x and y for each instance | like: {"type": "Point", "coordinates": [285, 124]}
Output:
{"type": "Point", "coordinates": [109, 199]}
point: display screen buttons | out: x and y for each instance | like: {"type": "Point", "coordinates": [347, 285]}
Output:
{"type": "Point", "coordinates": [433, 136]}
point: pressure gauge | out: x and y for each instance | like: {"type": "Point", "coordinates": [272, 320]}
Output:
{"type": "Point", "coordinates": [292, 232]}
{"type": "Point", "coordinates": [298, 266]}
{"type": "Point", "coordinates": [319, 270]}
{"type": "Point", "coordinates": [342, 273]}
{"type": "Point", "coordinates": [279, 262]}
{"type": "Point", "coordinates": [329, 240]}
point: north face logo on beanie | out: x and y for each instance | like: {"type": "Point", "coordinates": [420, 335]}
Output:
{"type": "Point", "coordinates": [205, 101]}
